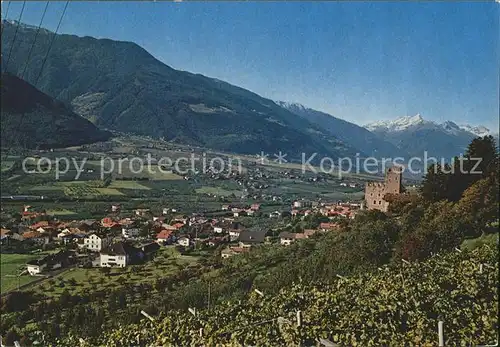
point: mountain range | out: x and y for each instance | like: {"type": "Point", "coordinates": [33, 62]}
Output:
{"type": "Point", "coordinates": [403, 123]}
{"type": "Point", "coordinates": [358, 137]}
{"type": "Point", "coordinates": [120, 86]}
{"type": "Point", "coordinates": [414, 135]}
{"type": "Point", "coordinates": [32, 119]}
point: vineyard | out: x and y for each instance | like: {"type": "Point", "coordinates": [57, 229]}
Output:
{"type": "Point", "coordinates": [399, 305]}
{"type": "Point", "coordinates": [87, 191]}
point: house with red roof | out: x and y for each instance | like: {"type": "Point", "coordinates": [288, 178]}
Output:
{"type": "Point", "coordinates": [109, 223]}
{"type": "Point", "coordinates": [41, 224]}
{"type": "Point", "coordinates": [230, 251]}
{"type": "Point", "coordinates": [255, 207]}
{"type": "Point", "coordinates": [36, 237]}
{"type": "Point", "coordinates": [165, 236]}
{"type": "Point", "coordinates": [177, 226]}
{"type": "Point", "coordinates": [329, 226]}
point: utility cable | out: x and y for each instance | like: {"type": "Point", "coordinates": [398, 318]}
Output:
{"type": "Point", "coordinates": [34, 40]}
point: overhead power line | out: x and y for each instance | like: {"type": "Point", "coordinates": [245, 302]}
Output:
{"type": "Point", "coordinates": [51, 43]}
{"type": "Point", "coordinates": [34, 40]}
{"type": "Point", "coordinates": [6, 12]}
{"type": "Point", "coordinates": [21, 120]}
{"type": "Point", "coordinates": [15, 34]}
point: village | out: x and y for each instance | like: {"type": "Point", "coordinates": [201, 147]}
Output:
{"type": "Point", "coordinates": [130, 238]}
{"type": "Point", "coordinates": [117, 242]}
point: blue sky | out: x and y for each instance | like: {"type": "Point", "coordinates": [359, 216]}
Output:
{"type": "Point", "coordinates": [358, 61]}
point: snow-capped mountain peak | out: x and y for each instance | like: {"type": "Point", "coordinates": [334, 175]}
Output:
{"type": "Point", "coordinates": [451, 127]}
{"type": "Point", "coordinates": [399, 124]}
{"type": "Point", "coordinates": [417, 121]}
{"type": "Point", "coordinates": [476, 130]}
{"type": "Point", "coordinates": [23, 26]}
{"type": "Point", "coordinates": [290, 105]}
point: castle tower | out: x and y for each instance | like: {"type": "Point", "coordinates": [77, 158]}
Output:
{"type": "Point", "coordinates": [393, 177]}
{"type": "Point", "coordinates": [375, 191]}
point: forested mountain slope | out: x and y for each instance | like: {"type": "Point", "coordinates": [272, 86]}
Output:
{"type": "Point", "coordinates": [32, 119]}
{"type": "Point", "coordinates": [120, 86]}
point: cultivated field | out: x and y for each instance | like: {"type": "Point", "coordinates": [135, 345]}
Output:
{"type": "Point", "coordinates": [6, 165]}
{"type": "Point", "coordinates": [128, 185]}
{"type": "Point", "coordinates": [61, 212]}
{"type": "Point", "coordinates": [11, 266]}
{"type": "Point", "coordinates": [217, 191]}
{"type": "Point", "coordinates": [79, 280]}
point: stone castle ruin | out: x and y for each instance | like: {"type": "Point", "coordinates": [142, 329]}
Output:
{"type": "Point", "coordinates": [376, 191]}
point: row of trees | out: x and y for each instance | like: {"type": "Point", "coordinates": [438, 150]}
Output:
{"type": "Point", "coordinates": [450, 181]}
{"type": "Point", "coordinates": [457, 201]}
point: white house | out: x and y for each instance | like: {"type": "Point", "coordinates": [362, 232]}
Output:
{"type": "Point", "coordinates": [118, 254]}
{"type": "Point", "coordinates": [287, 238]}
{"type": "Point", "coordinates": [36, 268]}
{"type": "Point", "coordinates": [249, 238]}
{"type": "Point", "coordinates": [130, 232]}
{"type": "Point", "coordinates": [184, 241]}
{"type": "Point", "coordinates": [275, 214]}
{"type": "Point", "coordinates": [218, 230]}
{"type": "Point", "coordinates": [49, 262]}
{"type": "Point", "coordinates": [63, 233]}
{"type": "Point", "coordinates": [96, 243]}
{"type": "Point", "coordinates": [234, 234]}
{"type": "Point", "coordinates": [41, 230]}
{"type": "Point", "coordinates": [113, 260]}
{"type": "Point", "coordinates": [66, 231]}
{"type": "Point", "coordinates": [141, 212]}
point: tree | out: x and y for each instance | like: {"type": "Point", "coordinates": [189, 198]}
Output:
{"type": "Point", "coordinates": [11, 337]}
{"type": "Point", "coordinates": [375, 241]}
{"type": "Point", "coordinates": [449, 182]}
{"type": "Point", "coordinates": [435, 185]}
{"type": "Point", "coordinates": [145, 230]}
{"type": "Point", "coordinates": [65, 299]}
{"type": "Point", "coordinates": [17, 301]}
{"type": "Point", "coordinates": [402, 203]}
{"type": "Point", "coordinates": [25, 341]}
{"type": "Point", "coordinates": [112, 300]}
{"type": "Point", "coordinates": [105, 270]}
{"type": "Point", "coordinates": [439, 228]}
{"type": "Point", "coordinates": [479, 206]}
{"type": "Point", "coordinates": [369, 216]}
{"type": "Point", "coordinates": [122, 299]}
{"type": "Point", "coordinates": [411, 247]}
{"type": "Point", "coordinates": [39, 311]}
{"type": "Point", "coordinates": [483, 152]}
{"type": "Point", "coordinates": [107, 180]}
